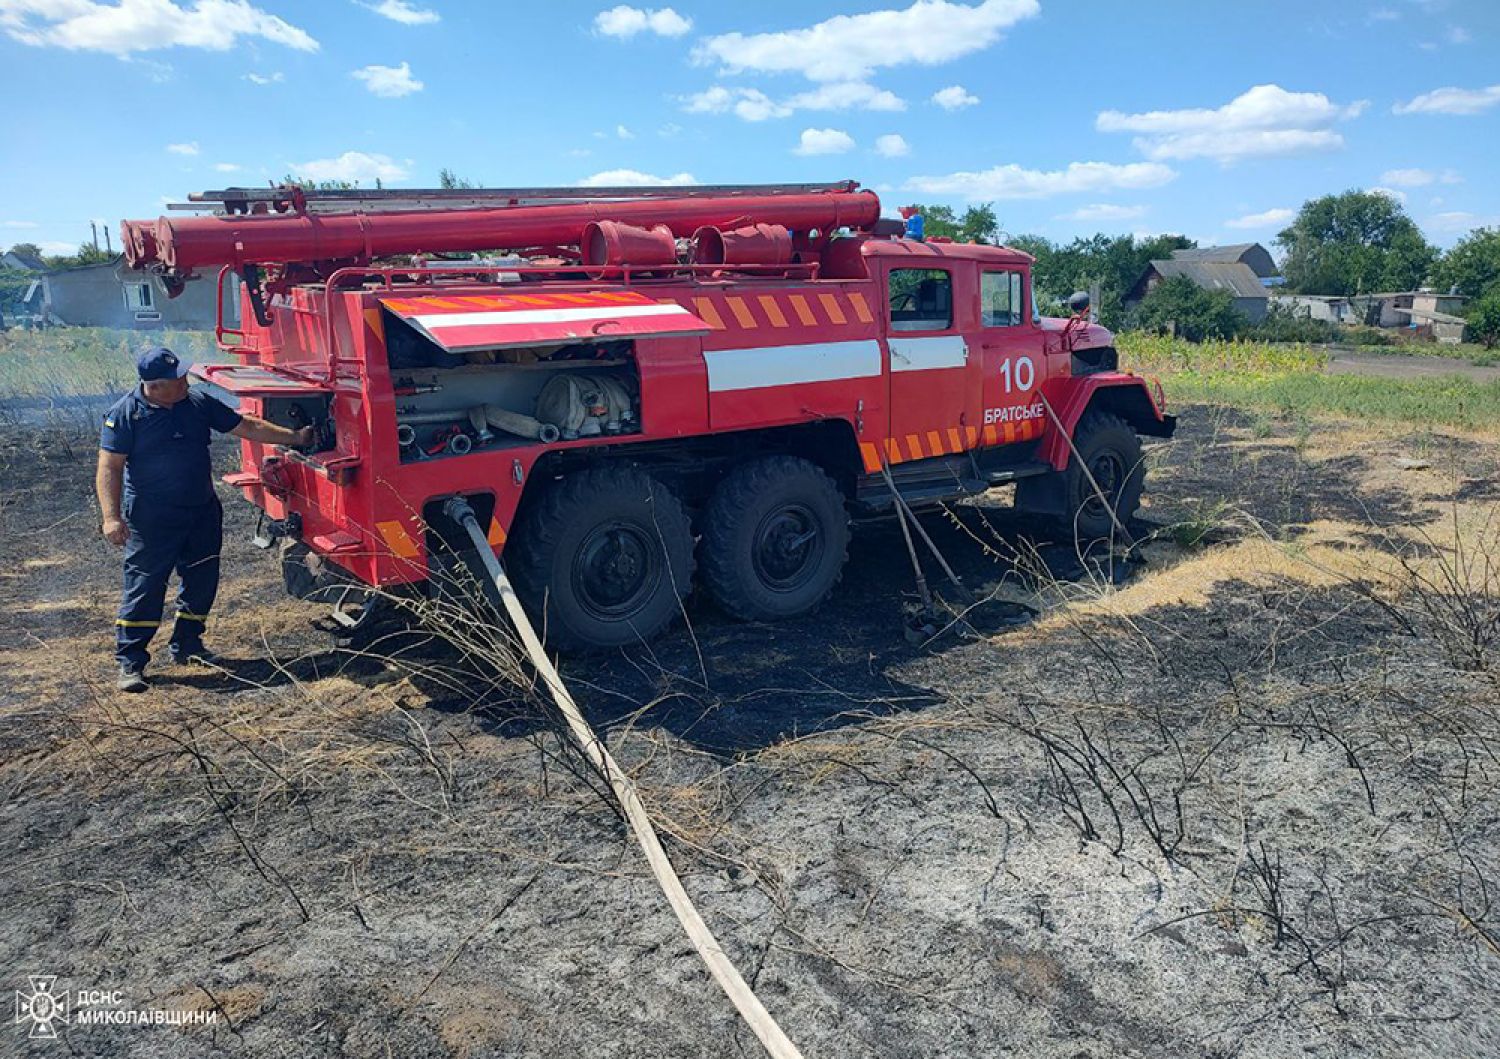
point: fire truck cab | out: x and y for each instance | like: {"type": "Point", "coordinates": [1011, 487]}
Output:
{"type": "Point", "coordinates": [640, 413]}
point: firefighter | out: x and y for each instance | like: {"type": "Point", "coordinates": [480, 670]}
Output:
{"type": "Point", "coordinates": [156, 496]}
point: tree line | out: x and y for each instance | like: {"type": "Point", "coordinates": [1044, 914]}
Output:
{"type": "Point", "coordinates": [1353, 243]}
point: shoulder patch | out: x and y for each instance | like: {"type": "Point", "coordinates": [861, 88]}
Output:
{"type": "Point", "coordinates": [109, 422]}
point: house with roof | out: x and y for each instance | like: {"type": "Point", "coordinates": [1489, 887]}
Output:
{"type": "Point", "coordinates": [1241, 269]}
{"type": "Point", "coordinates": [24, 262]}
{"type": "Point", "coordinates": [107, 294]}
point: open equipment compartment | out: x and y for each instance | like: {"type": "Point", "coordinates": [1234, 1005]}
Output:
{"type": "Point", "coordinates": [508, 369]}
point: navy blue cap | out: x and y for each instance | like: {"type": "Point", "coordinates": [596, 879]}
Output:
{"type": "Point", "coordinates": [161, 363]}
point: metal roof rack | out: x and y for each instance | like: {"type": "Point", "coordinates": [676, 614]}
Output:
{"type": "Point", "coordinates": [292, 197]}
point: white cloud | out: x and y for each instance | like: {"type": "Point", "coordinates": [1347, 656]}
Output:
{"type": "Point", "coordinates": [1390, 193]}
{"type": "Point", "coordinates": [266, 79]}
{"type": "Point", "coordinates": [1458, 222]}
{"type": "Point", "coordinates": [1457, 35]}
{"type": "Point", "coordinates": [669, 130]}
{"type": "Point", "coordinates": [892, 145]}
{"type": "Point", "coordinates": [635, 178]}
{"type": "Point", "coordinates": [1416, 178]}
{"type": "Point", "coordinates": [954, 97]}
{"type": "Point", "coordinates": [824, 141]}
{"type": "Point", "coordinates": [183, 148]}
{"type": "Point", "coordinates": [623, 133]}
{"type": "Point", "coordinates": [404, 13]}
{"type": "Point", "coordinates": [389, 82]}
{"type": "Point", "coordinates": [1014, 182]}
{"type": "Point", "coordinates": [226, 167]}
{"type": "Point", "coordinates": [1451, 101]}
{"type": "Point", "coordinates": [751, 104]}
{"type": "Point", "coordinates": [625, 22]}
{"type": "Point", "coordinates": [846, 95]}
{"type": "Point", "coordinates": [1383, 14]}
{"type": "Point", "coordinates": [19, 224]}
{"type": "Point", "coordinates": [145, 25]}
{"type": "Point", "coordinates": [852, 47]}
{"type": "Point", "coordinates": [354, 166]}
{"type": "Point", "coordinates": [1265, 219]}
{"type": "Point", "coordinates": [1103, 211]}
{"type": "Point", "coordinates": [1263, 121]}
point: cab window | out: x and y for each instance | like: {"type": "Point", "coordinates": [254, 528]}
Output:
{"type": "Point", "coordinates": [1000, 299]}
{"type": "Point", "coordinates": [921, 299]}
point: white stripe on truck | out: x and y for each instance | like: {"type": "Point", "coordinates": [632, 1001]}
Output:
{"type": "Point", "coordinates": [751, 369]}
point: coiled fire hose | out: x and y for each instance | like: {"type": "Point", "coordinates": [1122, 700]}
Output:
{"type": "Point", "coordinates": [776, 1042]}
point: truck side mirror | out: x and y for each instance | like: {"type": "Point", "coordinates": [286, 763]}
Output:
{"type": "Point", "coordinates": [1079, 303]}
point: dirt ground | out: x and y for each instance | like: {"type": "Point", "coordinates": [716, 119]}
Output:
{"type": "Point", "coordinates": [1235, 798]}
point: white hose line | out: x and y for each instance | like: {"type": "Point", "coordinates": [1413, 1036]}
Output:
{"type": "Point", "coordinates": [776, 1042]}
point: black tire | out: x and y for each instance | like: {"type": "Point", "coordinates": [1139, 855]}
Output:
{"type": "Point", "coordinates": [603, 559]}
{"type": "Point", "coordinates": [1112, 452]}
{"type": "Point", "coordinates": [775, 538]}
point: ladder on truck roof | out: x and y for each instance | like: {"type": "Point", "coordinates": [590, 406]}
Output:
{"type": "Point", "coordinates": [284, 197]}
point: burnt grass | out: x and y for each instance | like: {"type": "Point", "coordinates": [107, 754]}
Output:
{"type": "Point", "coordinates": [1257, 820]}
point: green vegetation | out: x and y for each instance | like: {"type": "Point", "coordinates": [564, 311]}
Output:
{"type": "Point", "coordinates": [71, 361]}
{"type": "Point", "coordinates": [1484, 318]}
{"type": "Point", "coordinates": [1115, 263]}
{"type": "Point", "coordinates": [977, 224]}
{"type": "Point", "coordinates": [1359, 242]}
{"type": "Point", "coordinates": [1472, 267]}
{"type": "Point", "coordinates": [1181, 307]}
{"type": "Point", "coordinates": [1290, 380]}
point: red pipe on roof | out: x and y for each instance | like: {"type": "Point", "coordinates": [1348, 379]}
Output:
{"type": "Point", "coordinates": [185, 244]}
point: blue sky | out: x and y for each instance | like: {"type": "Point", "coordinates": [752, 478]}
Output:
{"type": "Point", "coordinates": [1073, 116]}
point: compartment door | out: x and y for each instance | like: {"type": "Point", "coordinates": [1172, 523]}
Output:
{"type": "Point", "coordinates": [462, 323]}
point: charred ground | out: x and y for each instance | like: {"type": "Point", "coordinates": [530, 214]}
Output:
{"type": "Point", "coordinates": [1239, 798]}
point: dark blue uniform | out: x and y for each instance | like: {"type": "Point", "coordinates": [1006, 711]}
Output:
{"type": "Point", "coordinates": [175, 519]}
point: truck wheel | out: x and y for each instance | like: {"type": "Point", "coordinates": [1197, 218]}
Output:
{"type": "Point", "coordinates": [775, 537]}
{"type": "Point", "coordinates": [604, 559]}
{"type": "Point", "coordinates": [1112, 452]}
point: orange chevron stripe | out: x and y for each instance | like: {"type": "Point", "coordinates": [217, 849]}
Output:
{"type": "Point", "coordinates": [709, 313]}
{"type": "Point", "coordinates": [871, 455]}
{"type": "Point", "coordinates": [831, 307]}
{"type": "Point", "coordinates": [991, 436]}
{"type": "Point", "coordinates": [861, 308]}
{"type": "Point", "coordinates": [741, 313]}
{"type": "Point", "coordinates": [1008, 433]}
{"type": "Point", "coordinates": [893, 451]}
{"type": "Point", "coordinates": [972, 434]}
{"type": "Point", "coordinates": [772, 310]}
{"type": "Point", "coordinates": [497, 533]}
{"type": "Point", "coordinates": [803, 310]}
{"type": "Point", "coordinates": [955, 443]}
{"type": "Point", "coordinates": [398, 540]}
{"type": "Point", "coordinates": [914, 444]}
{"type": "Point", "coordinates": [935, 444]}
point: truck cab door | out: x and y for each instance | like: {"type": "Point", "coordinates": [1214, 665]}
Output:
{"type": "Point", "coordinates": [1012, 361]}
{"type": "Point", "coordinates": [929, 327]}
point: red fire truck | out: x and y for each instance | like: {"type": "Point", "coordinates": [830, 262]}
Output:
{"type": "Point", "coordinates": [652, 391]}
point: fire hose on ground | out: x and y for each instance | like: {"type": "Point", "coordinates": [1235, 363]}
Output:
{"type": "Point", "coordinates": [771, 1036]}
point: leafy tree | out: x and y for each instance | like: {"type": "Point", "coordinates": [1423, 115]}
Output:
{"type": "Point", "coordinates": [448, 180]}
{"type": "Point", "coordinates": [324, 185]}
{"type": "Point", "coordinates": [978, 224]}
{"type": "Point", "coordinates": [1181, 306]}
{"type": "Point", "coordinates": [28, 249]}
{"type": "Point", "coordinates": [1115, 263]}
{"type": "Point", "coordinates": [1358, 242]}
{"type": "Point", "coordinates": [88, 254]}
{"type": "Point", "coordinates": [1484, 318]}
{"type": "Point", "coordinates": [1472, 267]}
